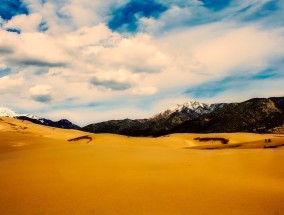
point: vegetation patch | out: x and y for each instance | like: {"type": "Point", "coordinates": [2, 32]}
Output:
{"type": "Point", "coordinates": [81, 138]}
{"type": "Point", "coordinates": [207, 139]}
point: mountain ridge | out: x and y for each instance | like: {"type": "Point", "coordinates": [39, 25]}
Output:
{"type": "Point", "coordinates": [260, 115]}
{"type": "Point", "coordinates": [165, 120]}
{"type": "Point", "coordinates": [63, 123]}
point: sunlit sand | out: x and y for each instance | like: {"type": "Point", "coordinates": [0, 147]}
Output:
{"type": "Point", "coordinates": [47, 170]}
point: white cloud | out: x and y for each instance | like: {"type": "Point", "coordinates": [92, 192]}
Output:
{"type": "Point", "coordinates": [244, 47]}
{"type": "Point", "coordinates": [222, 48]}
{"type": "Point", "coordinates": [40, 90]}
{"type": "Point", "coordinates": [9, 84]}
{"type": "Point", "coordinates": [41, 93]}
{"type": "Point", "coordinates": [82, 15]}
{"type": "Point", "coordinates": [87, 36]}
{"type": "Point", "coordinates": [32, 49]}
{"type": "Point", "coordinates": [144, 91]}
{"type": "Point", "coordinates": [79, 60]}
{"type": "Point", "coordinates": [174, 17]}
{"type": "Point", "coordinates": [26, 23]}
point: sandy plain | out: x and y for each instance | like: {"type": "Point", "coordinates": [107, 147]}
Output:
{"type": "Point", "coordinates": [53, 171]}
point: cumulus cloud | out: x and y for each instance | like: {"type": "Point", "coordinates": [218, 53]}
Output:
{"type": "Point", "coordinates": [74, 55]}
{"type": "Point", "coordinates": [26, 23]}
{"type": "Point", "coordinates": [41, 93]}
{"type": "Point", "coordinates": [35, 49]}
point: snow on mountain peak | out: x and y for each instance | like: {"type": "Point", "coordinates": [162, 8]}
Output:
{"type": "Point", "coordinates": [6, 112]}
{"type": "Point", "coordinates": [190, 107]}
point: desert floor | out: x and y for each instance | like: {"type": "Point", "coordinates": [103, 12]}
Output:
{"type": "Point", "coordinates": [41, 172]}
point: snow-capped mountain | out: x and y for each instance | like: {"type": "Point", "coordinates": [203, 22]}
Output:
{"type": "Point", "coordinates": [160, 122]}
{"type": "Point", "coordinates": [193, 108]}
{"type": "Point", "coordinates": [262, 115]}
{"type": "Point", "coordinates": [6, 112]}
{"type": "Point", "coordinates": [63, 123]}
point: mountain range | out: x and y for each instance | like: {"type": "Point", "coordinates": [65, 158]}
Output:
{"type": "Point", "coordinates": [63, 123]}
{"type": "Point", "coordinates": [257, 115]}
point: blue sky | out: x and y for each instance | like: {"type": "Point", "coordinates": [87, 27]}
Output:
{"type": "Point", "coordinates": [91, 61]}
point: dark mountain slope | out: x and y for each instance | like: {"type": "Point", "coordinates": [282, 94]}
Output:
{"type": "Point", "coordinates": [63, 123]}
{"type": "Point", "coordinates": [123, 127]}
{"type": "Point", "coordinates": [254, 115]}
{"type": "Point", "coordinates": [259, 115]}
{"type": "Point", "coordinates": [161, 122]}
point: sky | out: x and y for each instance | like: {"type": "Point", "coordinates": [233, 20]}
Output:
{"type": "Point", "coordinates": [95, 60]}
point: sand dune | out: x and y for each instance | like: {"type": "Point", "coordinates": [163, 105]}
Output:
{"type": "Point", "coordinates": [103, 174]}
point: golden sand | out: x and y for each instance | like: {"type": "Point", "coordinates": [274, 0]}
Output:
{"type": "Point", "coordinates": [41, 172]}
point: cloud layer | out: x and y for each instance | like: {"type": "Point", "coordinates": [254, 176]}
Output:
{"type": "Point", "coordinates": [128, 58]}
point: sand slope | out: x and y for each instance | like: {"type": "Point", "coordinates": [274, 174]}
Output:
{"type": "Point", "coordinates": [44, 173]}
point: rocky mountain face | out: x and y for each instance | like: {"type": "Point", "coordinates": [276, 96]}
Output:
{"type": "Point", "coordinates": [255, 115]}
{"type": "Point", "coordinates": [159, 123]}
{"type": "Point", "coordinates": [180, 113]}
{"type": "Point", "coordinates": [63, 123]}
